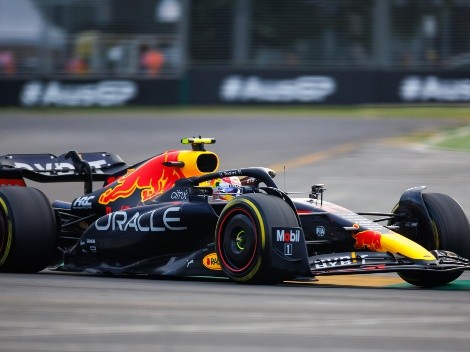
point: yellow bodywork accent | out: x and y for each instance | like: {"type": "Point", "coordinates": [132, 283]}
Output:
{"type": "Point", "coordinates": [198, 141]}
{"type": "Point", "coordinates": [189, 157]}
{"type": "Point", "coordinates": [9, 233]}
{"type": "Point", "coordinates": [398, 244]}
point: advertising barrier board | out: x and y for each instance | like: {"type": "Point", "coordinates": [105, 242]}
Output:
{"type": "Point", "coordinates": [244, 87]}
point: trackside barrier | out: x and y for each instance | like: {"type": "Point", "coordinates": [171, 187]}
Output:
{"type": "Point", "coordinates": [243, 87]}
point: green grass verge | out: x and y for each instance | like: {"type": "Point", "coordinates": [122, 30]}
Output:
{"type": "Point", "coordinates": [455, 139]}
{"type": "Point", "coordinates": [462, 143]}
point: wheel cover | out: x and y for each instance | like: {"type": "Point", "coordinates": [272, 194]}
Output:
{"type": "Point", "coordinates": [238, 240]}
{"type": "Point", "coordinates": [241, 240]}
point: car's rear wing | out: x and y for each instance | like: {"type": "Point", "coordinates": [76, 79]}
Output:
{"type": "Point", "coordinates": [67, 167]}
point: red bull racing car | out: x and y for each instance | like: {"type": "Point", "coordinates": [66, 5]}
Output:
{"type": "Point", "coordinates": [168, 216]}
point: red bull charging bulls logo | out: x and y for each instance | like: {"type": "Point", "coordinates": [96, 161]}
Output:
{"type": "Point", "coordinates": [368, 240]}
{"type": "Point", "coordinates": [151, 178]}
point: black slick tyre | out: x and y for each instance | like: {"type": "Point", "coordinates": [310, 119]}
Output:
{"type": "Point", "coordinates": [243, 237]}
{"type": "Point", "coordinates": [28, 230]}
{"type": "Point", "coordinates": [450, 231]}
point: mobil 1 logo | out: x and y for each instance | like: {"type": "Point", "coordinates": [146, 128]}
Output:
{"type": "Point", "coordinates": [286, 239]}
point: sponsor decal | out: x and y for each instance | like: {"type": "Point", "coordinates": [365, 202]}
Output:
{"type": "Point", "coordinates": [359, 220]}
{"type": "Point", "coordinates": [179, 195]}
{"type": "Point", "coordinates": [83, 202]}
{"type": "Point", "coordinates": [56, 168]}
{"type": "Point", "coordinates": [304, 89]}
{"type": "Point", "coordinates": [287, 235]}
{"type": "Point", "coordinates": [211, 262]}
{"type": "Point", "coordinates": [416, 88]}
{"type": "Point", "coordinates": [332, 262]}
{"type": "Point", "coordinates": [151, 179]}
{"type": "Point", "coordinates": [102, 93]}
{"type": "Point", "coordinates": [120, 221]}
{"type": "Point", "coordinates": [229, 173]}
{"type": "Point", "coordinates": [59, 168]}
{"type": "Point", "coordinates": [338, 261]}
{"type": "Point", "coordinates": [368, 239]}
{"type": "Point", "coordinates": [90, 242]}
{"type": "Point", "coordinates": [288, 248]}
{"type": "Point", "coordinates": [320, 231]}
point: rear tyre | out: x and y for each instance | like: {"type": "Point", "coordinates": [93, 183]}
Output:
{"type": "Point", "coordinates": [243, 237]}
{"type": "Point", "coordinates": [28, 230]}
{"type": "Point", "coordinates": [450, 231]}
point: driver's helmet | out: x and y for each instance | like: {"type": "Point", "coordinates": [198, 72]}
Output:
{"type": "Point", "coordinates": [225, 188]}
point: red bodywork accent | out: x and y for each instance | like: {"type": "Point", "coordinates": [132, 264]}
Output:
{"type": "Point", "coordinates": [304, 212]}
{"type": "Point", "coordinates": [12, 182]}
{"type": "Point", "coordinates": [151, 179]}
{"type": "Point", "coordinates": [368, 239]}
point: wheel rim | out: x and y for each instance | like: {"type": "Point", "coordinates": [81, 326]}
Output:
{"type": "Point", "coordinates": [238, 240]}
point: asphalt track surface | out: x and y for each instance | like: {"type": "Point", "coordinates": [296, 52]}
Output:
{"type": "Point", "coordinates": [364, 168]}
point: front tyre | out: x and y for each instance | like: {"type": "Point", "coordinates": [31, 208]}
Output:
{"type": "Point", "coordinates": [28, 230]}
{"type": "Point", "coordinates": [450, 231]}
{"type": "Point", "coordinates": [450, 227]}
{"type": "Point", "coordinates": [243, 237]}
{"type": "Point", "coordinates": [429, 279]}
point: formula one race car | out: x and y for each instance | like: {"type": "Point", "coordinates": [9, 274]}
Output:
{"type": "Point", "coordinates": [168, 216]}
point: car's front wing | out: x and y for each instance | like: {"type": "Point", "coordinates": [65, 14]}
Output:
{"type": "Point", "coordinates": [382, 262]}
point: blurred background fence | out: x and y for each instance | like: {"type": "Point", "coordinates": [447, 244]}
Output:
{"type": "Point", "coordinates": [244, 43]}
